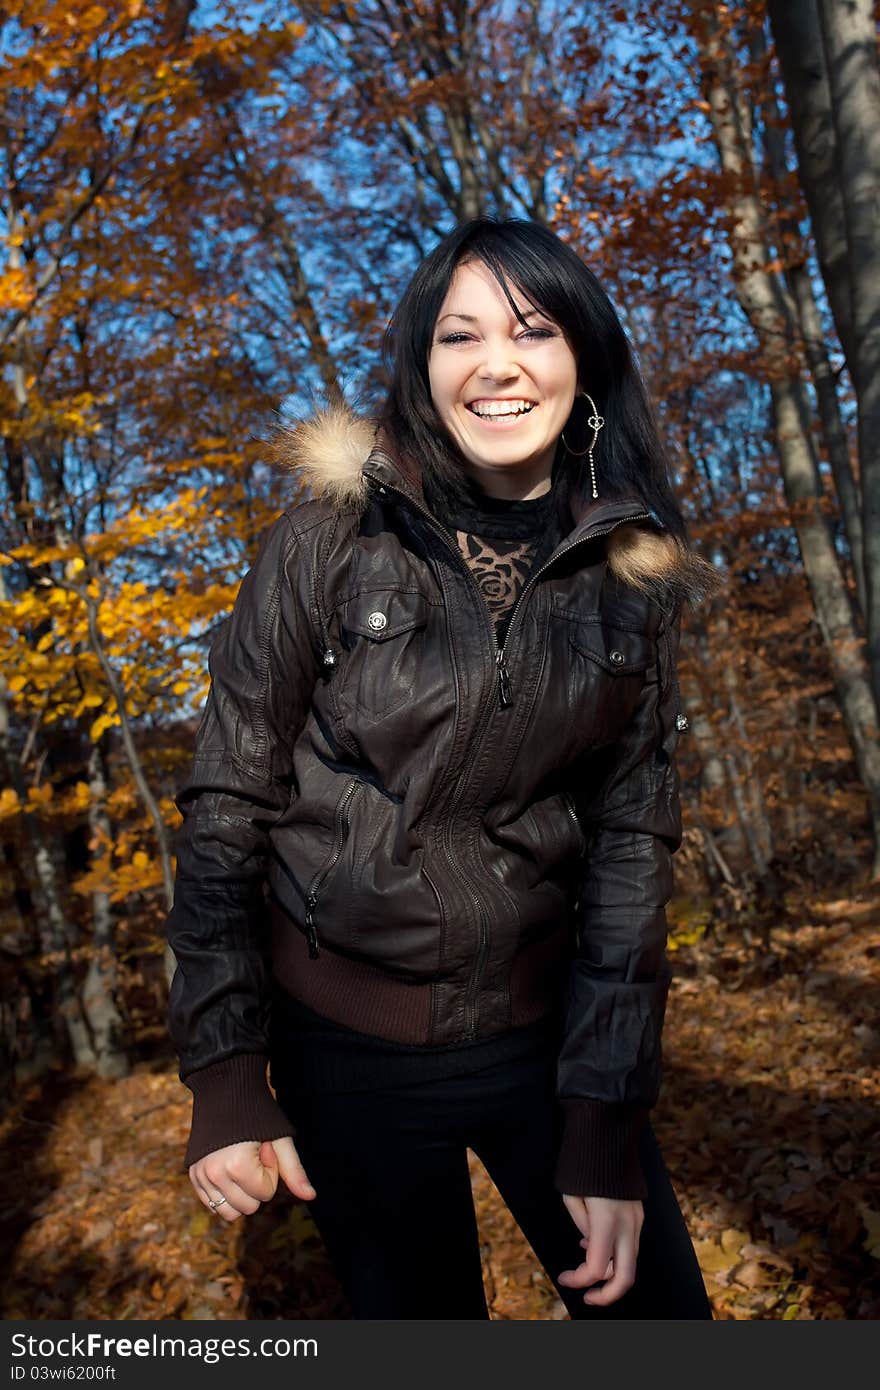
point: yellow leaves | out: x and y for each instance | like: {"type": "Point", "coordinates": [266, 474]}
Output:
{"type": "Point", "coordinates": [104, 721]}
{"type": "Point", "coordinates": [689, 920]}
{"type": "Point", "coordinates": [142, 875]}
{"type": "Point", "coordinates": [9, 804]}
{"type": "Point", "coordinates": [714, 1258]}
{"type": "Point", "coordinates": [40, 798]}
{"type": "Point", "coordinates": [16, 291]}
{"type": "Point", "coordinates": [92, 700]}
{"type": "Point", "coordinates": [732, 1240]}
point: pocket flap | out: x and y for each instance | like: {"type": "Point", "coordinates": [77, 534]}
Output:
{"type": "Point", "coordinates": [385, 613]}
{"type": "Point", "coordinates": [614, 649]}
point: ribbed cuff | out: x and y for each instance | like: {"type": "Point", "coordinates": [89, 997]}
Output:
{"type": "Point", "coordinates": [599, 1156]}
{"type": "Point", "coordinates": [232, 1103]}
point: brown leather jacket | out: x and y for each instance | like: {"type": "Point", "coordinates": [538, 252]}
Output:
{"type": "Point", "coordinates": [452, 836]}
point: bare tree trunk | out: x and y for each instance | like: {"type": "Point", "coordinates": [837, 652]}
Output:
{"type": "Point", "coordinates": [798, 41]}
{"type": "Point", "coordinates": [849, 34]}
{"type": "Point", "coordinates": [99, 990]}
{"type": "Point", "coordinates": [768, 307]}
{"type": "Point", "coordinates": [55, 510]}
{"type": "Point", "coordinates": [809, 320]}
{"type": "Point", "coordinates": [55, 931]}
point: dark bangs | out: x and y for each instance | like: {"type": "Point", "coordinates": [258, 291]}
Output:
{"type": "Point", "coordinates": [630, 458]}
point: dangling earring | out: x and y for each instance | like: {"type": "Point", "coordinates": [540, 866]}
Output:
{"type": "Point", "coordinates": [595, 423]}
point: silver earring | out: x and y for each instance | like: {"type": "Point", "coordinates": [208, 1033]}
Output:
{"type": "Point", "coordinates": [595, 423]}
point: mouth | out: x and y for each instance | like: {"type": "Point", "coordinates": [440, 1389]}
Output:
{"type": "Point", "coordinates": [498, 414]}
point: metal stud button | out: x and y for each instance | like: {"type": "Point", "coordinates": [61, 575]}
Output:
{"type": "Point", "coordinates": [377, 621]}
{"type": "Point", "coordinates": [616, 656]}
{"type": "Point", "coordinates": [682, 722]}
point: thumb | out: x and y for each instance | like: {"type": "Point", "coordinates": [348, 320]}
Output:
{"type": "Point", "coordinates": [290, 1168]}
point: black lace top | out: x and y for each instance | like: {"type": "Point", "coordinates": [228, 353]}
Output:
{"type": "Point", "coordinates": [503, 541]}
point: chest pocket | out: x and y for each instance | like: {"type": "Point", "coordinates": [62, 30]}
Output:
{"type": "Point", "coordinates": [383, 633]}
{"type": "Point", "coordinates": [609, 665]}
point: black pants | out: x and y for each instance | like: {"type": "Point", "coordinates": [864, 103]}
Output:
{"type": "Point", "coordinates": [394, 1204]}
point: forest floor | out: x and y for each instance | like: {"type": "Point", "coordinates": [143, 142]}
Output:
{"type": "Point", "coordinates": [768, 1123]}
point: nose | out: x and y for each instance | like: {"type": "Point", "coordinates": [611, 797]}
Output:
{"type": "Point", "coordinates": [498, 364]}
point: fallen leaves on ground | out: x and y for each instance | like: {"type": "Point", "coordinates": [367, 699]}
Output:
{"type": "Point", "coordinates": [767, 1122]}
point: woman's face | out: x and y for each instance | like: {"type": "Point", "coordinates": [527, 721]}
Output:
{"type": "Point", "coordinates": [504, 392]}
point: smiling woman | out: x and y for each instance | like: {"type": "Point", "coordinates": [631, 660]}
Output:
{"type": "Point", "coordinates": [440, 742]}
{"type": "Point", "coordinates": [503, 379]}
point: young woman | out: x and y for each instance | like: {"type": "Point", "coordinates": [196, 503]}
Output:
{"type": "Point", "coordinates": [427, 836]}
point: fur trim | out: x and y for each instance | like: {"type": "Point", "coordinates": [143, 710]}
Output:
{"type": "Point", "coordinates": [661, 566]}
{"type": "Point", "coordinates": [328, 452]}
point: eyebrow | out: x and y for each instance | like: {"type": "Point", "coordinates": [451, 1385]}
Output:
{"type": "Point", "coordinates": [469, 318]}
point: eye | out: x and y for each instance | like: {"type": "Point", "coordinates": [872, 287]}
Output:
{"type": "Point", "coordinates": [531, 334]}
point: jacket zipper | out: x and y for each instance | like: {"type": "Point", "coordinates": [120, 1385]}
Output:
{"type": "Point", "coordinates": [570, 808]}
{"type": "Point", "coordinates": [505, 698]}
{"type": "Point", "coordinates": [505, 694]}
{"type": "Point", "coordinates": [483, 926]}
{"type": "Point", "coordinates": [341, 829]}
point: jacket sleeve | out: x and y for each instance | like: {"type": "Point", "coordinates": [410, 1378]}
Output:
{"type": "Point", "coordinates": [263, 667]}
{"type": "Point", "coordinates": [610, 1062]}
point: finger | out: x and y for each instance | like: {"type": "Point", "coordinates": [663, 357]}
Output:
{"type": "Point", "coordinates": [217, 1201]}
{"type": "Point", "coordinates": [225, 1208]}
{"type": "Point", "coordinates": [226, 1197]}
{"type": "Point", "coordinates": [291, 1169]}
{"type": "Point", "coordinates": [239, 1198]}
{"type": "Point", "coordinates": [204, 1189]}
{"type": "Point", "coordinates": [622, 1279]}
{"type": "Point", "coordinates": [599, 1254]}
{"type": "Point", "coordinates": [609, 1268]}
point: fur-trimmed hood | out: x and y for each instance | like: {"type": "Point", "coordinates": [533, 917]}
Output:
{"type": "Point", "coordinates": [327, 454]}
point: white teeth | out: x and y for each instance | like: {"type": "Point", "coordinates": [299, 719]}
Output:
{"type": "Point", "coordinates": [497, 408]}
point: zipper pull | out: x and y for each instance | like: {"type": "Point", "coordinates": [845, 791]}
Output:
{"type": "Point", "coordinates": [310, 927]}
{"type": "Point", "coordinates": [505, 695]}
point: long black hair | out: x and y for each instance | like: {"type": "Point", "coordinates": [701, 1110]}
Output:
{"type": "Point", "coordinates": [630, 456]}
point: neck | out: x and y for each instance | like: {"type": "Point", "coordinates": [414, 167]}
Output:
{"type": "Point", "coordinates": [510, 483]}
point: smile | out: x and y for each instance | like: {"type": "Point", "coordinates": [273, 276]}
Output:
{"type": "Point", "coordinates": [491, 412]}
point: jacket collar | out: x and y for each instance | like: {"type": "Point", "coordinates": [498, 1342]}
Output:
{"type": "Point", "coordinates": [337, 454]}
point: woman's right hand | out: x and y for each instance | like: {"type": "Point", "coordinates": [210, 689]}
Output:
{"type": "Point", "coordinates": [245, 1175]}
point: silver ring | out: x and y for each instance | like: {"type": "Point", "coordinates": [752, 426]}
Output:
{"type": "Point", "coordinates": [214, 1205]}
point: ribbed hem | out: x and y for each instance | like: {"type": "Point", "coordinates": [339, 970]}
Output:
{"type": "Point", "coordinates": [232, 1103]}
{"type": "Point", "coordinates": [362, 996]}
{"type": "Point", "coordinates": [599, 1156]}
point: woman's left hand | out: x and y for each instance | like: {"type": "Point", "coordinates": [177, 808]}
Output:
{"type": "Point", "coordinates": [610, 1231]}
